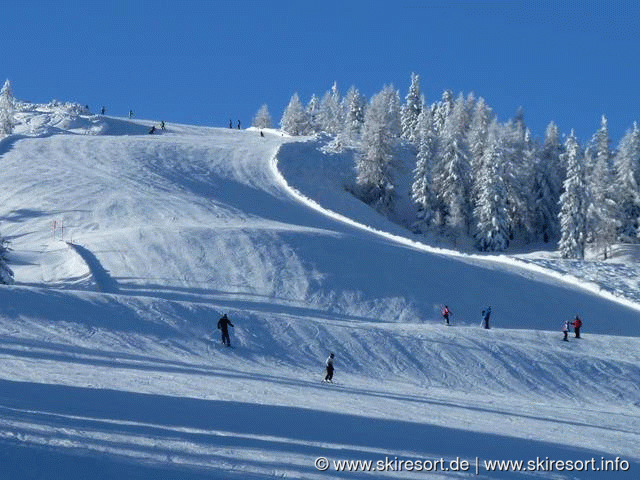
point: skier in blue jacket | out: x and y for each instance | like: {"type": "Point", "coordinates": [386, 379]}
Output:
{"type": "Point", "coordinates": [485, 317]}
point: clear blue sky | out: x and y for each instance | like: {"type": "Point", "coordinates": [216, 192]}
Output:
{"type": "Point", "coordinates": [203, 62]}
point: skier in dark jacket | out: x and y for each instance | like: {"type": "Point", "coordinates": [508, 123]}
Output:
{"type": "Point", "coordinates": [485, 317]}
{"type": "Point", "coordinates": [152, 129]}
{"type": "Point", "coordinates": [577, 324]}
{"type": "Point", "coordinates": [329, 369]}
{"type": "Point", "coordinates": [223, 326]}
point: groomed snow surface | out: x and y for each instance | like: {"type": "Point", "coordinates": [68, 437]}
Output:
{"type": "Point", "coordinates": [128, 247]}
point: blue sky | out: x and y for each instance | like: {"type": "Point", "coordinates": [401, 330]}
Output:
{"type": "Point", "coordinates": [203, 62]}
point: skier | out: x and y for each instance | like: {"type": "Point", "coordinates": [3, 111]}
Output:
{"type": "Point", "coordinates": [230, 123]}
{"type": "Point", "coordinates": [261, 134]}
{"type": "Point", "coordinates": [238, 124]}
{"type": "Point", "coordinates": [153, 129]}
{"type": "Point", "coordinates": [445, 314]}
{"type": "Point", "coordinates": [565, 330]}
{"type": "Point", "coordinates": [485, 317]}
{"type": "Point", "coordinates": [130, 113]}
{"type": "Point", "coordinates": [102, 110]}
{"type": "Point", "coordinates": [162, 125]}
{"type": "Point", "coordinates": [223, 326]}
{"type": "Point", "coordinates": [577, 324]}
{"type": "Point", "coordinates": [329, 369]}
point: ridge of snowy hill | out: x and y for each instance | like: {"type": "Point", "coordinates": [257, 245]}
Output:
{"type": "Point", "coordinates": [111, 361]}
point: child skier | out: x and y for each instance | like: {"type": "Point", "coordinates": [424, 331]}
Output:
{"type": "Point", "coordinates": [565, 330]}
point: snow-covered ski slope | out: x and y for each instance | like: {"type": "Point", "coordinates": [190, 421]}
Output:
{"type": "Point", "coordinates": [111, 362]}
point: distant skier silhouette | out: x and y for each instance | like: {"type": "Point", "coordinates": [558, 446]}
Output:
{"type": "Point", "coordinates": [485, 317]}
{"type": "Point", "coordinates": [223, 326]}
{"type": "Point", "coordinates": [329, 369]}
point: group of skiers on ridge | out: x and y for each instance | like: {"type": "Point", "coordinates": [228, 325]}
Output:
{"type": "Point", "coordinates": [224, 323]}
{"type": "Point", "coordinates": [486, 313]}
{"type": "Point", "coordinates": [576, 323]}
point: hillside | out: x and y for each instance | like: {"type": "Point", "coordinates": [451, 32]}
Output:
{"type": "Point", "coordinates": [106, 338]}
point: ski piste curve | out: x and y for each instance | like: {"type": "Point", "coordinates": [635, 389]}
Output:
{"type": "Point", "coordinates": [587, 286]}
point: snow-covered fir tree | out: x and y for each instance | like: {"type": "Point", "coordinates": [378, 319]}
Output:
{"type": "Point", "coordinates": [481, 118]}
{"type": "Point", "coordinates": [374, 165]}
{"type": "Point", "coordinates": [422, 192]}
{"type": "Point", "coordinates": [441, 110]}
{"type": "Point", "coordinates": [354, 107]}
{"type": "Point", "coordinates": [313, 114]}
{"type": "Point", "coordinates": [262, 118]}
{"type": "Point", "coordinates": [518, 173]}
{"type": "Point", "coordinates": [492, 229]}
{"type": "Point", "coordinates": [6, 274]}
{"type": "Point", "coordinates": [294, 119]}
{"type": "Point", "coordinates": [331, 118]}
{"type": "Point", "coordinates": [627, 182]}
{"type": "Point", "coordinates": [547, 186]}
{"type": "Point", "coordinates": [573, 203]}
{"type": "Point", "coordinates": [602, 214]}
{"type": "Point", "coordinates": [414, 103]}
{"type": "Point", "coordinates": [452, 173]}
{"type": "Point", "coordinates": [7, 109]}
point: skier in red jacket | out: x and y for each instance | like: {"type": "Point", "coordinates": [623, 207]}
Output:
{"type": "Point", "coordinates": [445, 314]}
{"type": "Point", "coordinates": [577, 324]}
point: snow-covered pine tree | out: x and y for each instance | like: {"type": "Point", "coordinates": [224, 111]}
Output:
{"type": "Point", "coordinates": [422, 187]}
{"type": "Point", "coordinates": [354, 107]}
{"type": "Point", "coordinates": [441, 111]}
{"type": "Point", "coordinates": [453, 171]}
{"type": "Point", "coordinates": [294, 119]}
{"type": "Point", "coordinates": [6, 274]}
{"type": "Point", "coordinates": [414, 103]}
{"type": "Point", "coordinates": [573, 202]}
{"type": "Point", "coordinates": [262, 118]}
{"type": "Point", "coordinates": [547, 185]}
{"type": "Point", "coordinates": [481, 118]}
{"type": "Point", "coordinates": [330, 117]}
{"type": "Point", "coordinates": [518, 173]}
{"type": "Point", "coordinates": [374, 165]}
{"type": "Point", "coordinates": [627, 173]}
{"type": "Point", "coordinates": [7, 109]}
{"type": "Point", "coordinates": [602, 213]}
{"type": "Point", "coordinates": [313, 114]}
{"type": "Point", "coordinates": [492, 229]}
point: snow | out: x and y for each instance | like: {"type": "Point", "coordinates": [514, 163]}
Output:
{"type": "Point", "coordinates": [112, 366]}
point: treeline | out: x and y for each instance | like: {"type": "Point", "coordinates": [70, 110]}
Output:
{"type": "Point", "coordinates": [475, 176]}
{"type": "Point", "coordinates": [7, 121]}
